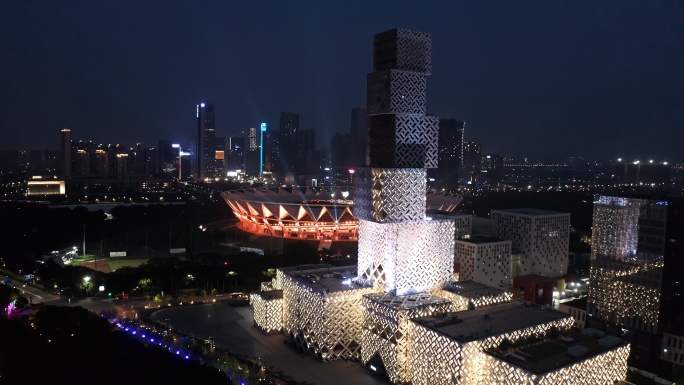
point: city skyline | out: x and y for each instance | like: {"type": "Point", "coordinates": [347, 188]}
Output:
{"type": "Point", "coordinates": [575, 79]}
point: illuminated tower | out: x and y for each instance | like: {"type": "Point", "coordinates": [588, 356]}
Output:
{"type": "Point", "coordinates": [398, 246]}
{"type": "Point", "coordinates": [261, 150]}
{"type": "Point", "coordinates": [66, 151]}
{"type": "Point", "coordinates": [206, 130]}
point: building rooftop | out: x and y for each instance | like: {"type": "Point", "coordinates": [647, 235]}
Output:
{"type": "Point", "coordinates": [480, 239]}
{"type": "Point", "coordinates": [555, 351]}
{"type": "Point", "coordinates": [324, 277]}
{"type": "Point", "coordinates": [472, 289]}
{"type": "Point", "coordinates": [470, 325]}
{"type": "Point", "coordinates": [580, 303]}
{"type": "Point", "coordinates": [531, 212]}
{"type": "Point", "coordinates": [532, 278]}
{"type": "Point", "coordinates": [408, 301]}
{"type": "Point", "coordinates": [270, 294]}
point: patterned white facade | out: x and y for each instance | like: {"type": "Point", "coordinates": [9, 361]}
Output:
{"type": "Point", "coordinates": [542, 237]}
{"type": "Point", "coordinates": [603, 369]}
{"type": "Point", "coordinates": [376, 196]}
{"type": "Point", "coordinates": [268, 311]}
{"type": "Point", "coordinates": [484, 260]}
{"type": "Point", "coordinates": [438, 357]}
{"type": "Point", "coordinates": [326, 323]}
{"type": "Point", "coordinates": [385, 330]}
{"type": "Point", "coordinates": [398, 309]}
{"type": "Point", "coordinates": [465, 295]}
{"type": "Point", "coordinates": [408, 257]}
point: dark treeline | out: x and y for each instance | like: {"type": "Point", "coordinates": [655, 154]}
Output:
{"type": "Point", "coordinates": [171, 275]}
{"type": "Point", "coordinates": [32, 230]}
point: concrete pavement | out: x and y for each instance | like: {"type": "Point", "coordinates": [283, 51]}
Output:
{"type": "Point", "coordinates": [232, 329]}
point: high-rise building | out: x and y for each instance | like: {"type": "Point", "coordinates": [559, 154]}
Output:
{"type": "Point", "coordinates": [168, 159]}
{"type": "Point", "coordinates": [121, 164]}
{"type": "Point", "coordinates": [100, 166]}
{"type": "Point", "coordinates": [308, 158]}
{"type": "Point", "coordinates": [220, 157]}
{"type": "Point", "coordinates": [66, 151]}
{"type": "Point", "coordinates": [471, 161]}
{"type": "Point", "coordinates": [485, 260]}
{"type": "Point", "coordinates": [253, 154]}
{"type": "Point", "coordinates": [542, 236]}
{"type": "Point", "coordinates": [491, 170]}
{"type": "Point", "coordinates": [451, 133]}
{"type": "Point", "coordinates": [237, 153]}
{"type": "Point", "coordinates": [340, 155]}
{"type": "Point", "coordinates": [289, 141]}
{"type": "Point", "coordinates": [359, 132]}
{"type": "Point", "coordinates": [399, 246]}
{"type": "Point", "coordinates": [206, 131]}
{"type": "Point", "coordinates": [635, 280]}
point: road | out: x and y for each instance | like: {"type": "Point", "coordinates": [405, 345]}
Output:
{"type": "Point", "coordinates": [28, 290]}
{"type": "Point", "coordinates": [233, 329]}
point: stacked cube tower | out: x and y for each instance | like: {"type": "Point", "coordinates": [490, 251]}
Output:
{"type": "Point", "coordinates": [397, 311]}
{"type": "Point", "coordinates": [399, 247]}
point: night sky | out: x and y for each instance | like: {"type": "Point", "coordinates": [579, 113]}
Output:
{"type": "Point", "coordinates": [530, 78]}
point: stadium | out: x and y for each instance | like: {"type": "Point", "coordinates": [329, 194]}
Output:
{"type": "Point", "coordinates": [309, 213]}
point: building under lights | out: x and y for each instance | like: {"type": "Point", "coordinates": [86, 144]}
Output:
{"type": "Point", "coordinates": [542, 236]}
{"type": "Point", "coordinates": [399, 311]}
{"type": "Point", "coordinates": [309, 213]}
{"type": "Point", "coordinates": [636, 263]}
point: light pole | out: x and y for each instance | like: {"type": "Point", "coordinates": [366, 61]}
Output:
{"type": "Point", "coordinates": [84, 241]}
{"type": "Point", "coordinates": [86, 281]}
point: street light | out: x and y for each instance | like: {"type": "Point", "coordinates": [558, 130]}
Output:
{"type": "Point", "coordinates": [86, 283]}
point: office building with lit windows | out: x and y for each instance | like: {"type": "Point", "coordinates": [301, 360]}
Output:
{"type": "Point", "coordinates": [636, 263]}
{"type": "Point", "coordinates": [205, 158]}
{"type": "Point", "coordinates": [398, 311]}
{"type": "Point", "coordinates": [542, 236]}
{"type": "Point", "coordinates": [484, 259]}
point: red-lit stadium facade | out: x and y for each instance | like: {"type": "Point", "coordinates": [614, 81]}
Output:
{"type": "Point", "coordinates": [308, 213]}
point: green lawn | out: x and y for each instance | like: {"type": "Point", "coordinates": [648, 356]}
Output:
{"type": "Point", "coordinates": [114, 265]}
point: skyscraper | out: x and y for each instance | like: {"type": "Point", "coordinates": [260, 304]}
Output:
{"type": "Point", "coordinates": [66, 151]}
{"type": "Point", "coordinates": [450, 153]}
{"type": "Point", "coordinates": [398, 246]}
{"type": "Point", "coordinates": [471, 161]}
{"type": "Point", "coordinates": [168, 159]}
{"type": "Point", "coordinates": [491, 169]}
{"type": "Point", "coordinates": [340, 155]}
{"type": "Point", "coordinates": [635, 279]}
{"type": "Point", "coordinates": [220, 157]}
{"type": "Point", "coordinates": [237, 153]}
{"type": "Point", "coordinates": [359, 132]}
{"type": "Point", "coordinates": [252, 161]}
{"type": "Point", "coordinates": [206, 127]}
{"type": "Point", "coordinates": [289, 142]}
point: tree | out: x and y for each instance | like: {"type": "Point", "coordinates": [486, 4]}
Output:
{"type": "Point", "coordinates": [203, 293]}
{"type": "Point", "coordinates": [192, 297]}
{"type": "Point", "coordinates": [214, 291]}
{"type": "Point", "coordinates": [158, 298]}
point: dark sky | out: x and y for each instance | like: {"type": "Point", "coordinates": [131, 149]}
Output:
{"type": "Point", "coordinates": [530, 78]}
